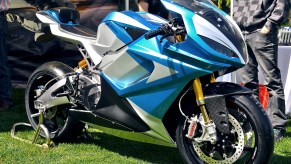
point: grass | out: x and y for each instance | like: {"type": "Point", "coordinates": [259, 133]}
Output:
{"type": "Point", "coordinates": [100, 148]}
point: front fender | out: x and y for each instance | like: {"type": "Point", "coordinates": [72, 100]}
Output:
{"type": "Point", "coordinates": [215, 103]}
{"type": "Point", "coordinates": [225, 89]}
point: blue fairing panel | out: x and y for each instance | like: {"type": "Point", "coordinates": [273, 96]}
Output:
{"type": "Point", "coordinates": [157, 101]}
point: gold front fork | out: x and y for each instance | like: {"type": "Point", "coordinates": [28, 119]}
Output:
{"type": "Point", "coordinates": [200, 97]}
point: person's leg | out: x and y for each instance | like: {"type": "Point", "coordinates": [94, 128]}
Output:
{"type": "Point", "coordinates": [267, 53]}
{"type": "Point", "coordinates": [5, 81]}
{"type": "Point", "coordinates": [249, 73]}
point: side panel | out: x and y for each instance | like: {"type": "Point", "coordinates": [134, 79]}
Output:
{"type": "Point", "coordinates": [112, 36]}
{"type": "Point", "coordinates": [117, 109]}
{"type": "Point", "coordinates": [148, 71]}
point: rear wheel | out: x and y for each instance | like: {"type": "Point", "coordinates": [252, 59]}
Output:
{"type": "Point", "coordinates": [60, 124]}
{"type": "Point", "coordinates": [250, 139]}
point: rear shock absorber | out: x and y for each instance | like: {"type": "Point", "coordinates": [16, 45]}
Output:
{"type": "Point", "coordinates": [81, 65]}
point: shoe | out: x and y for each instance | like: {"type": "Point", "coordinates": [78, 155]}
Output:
{"type": "Point", "coordinates": [279, 134]}
{"type": "Point", "coordinates": [5, 106]}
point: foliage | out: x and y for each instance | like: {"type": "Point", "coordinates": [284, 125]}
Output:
{"type": "Point", "coordinates": [223, 5]}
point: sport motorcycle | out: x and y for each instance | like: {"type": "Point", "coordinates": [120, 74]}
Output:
{"type": "Point", "coordinates": [143, 74]}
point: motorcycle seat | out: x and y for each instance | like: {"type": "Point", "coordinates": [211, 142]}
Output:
{"type": "Point", "coordinates": [79, 30]}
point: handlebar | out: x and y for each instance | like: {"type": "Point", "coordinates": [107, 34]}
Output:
{"type": "Point", "coordinates": [154, 33]}
{"type": "Point", "coordinates": [172, 28]}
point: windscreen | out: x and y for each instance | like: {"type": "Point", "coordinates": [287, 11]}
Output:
{"type": "Point", "coordinates": [194, 5]}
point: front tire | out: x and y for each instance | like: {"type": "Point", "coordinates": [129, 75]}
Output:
{"type": "Point", "coordinates": [61, 126]}
{"type": "Point", "coordinates": [246, 114]}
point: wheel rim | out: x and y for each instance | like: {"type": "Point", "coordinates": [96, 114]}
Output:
{"type": "Point", "coordinates": [247, 142]}
{"type": "Point", "coordinates": [236, 145]}
{"type": "Point", "coordinates": [54, 118]}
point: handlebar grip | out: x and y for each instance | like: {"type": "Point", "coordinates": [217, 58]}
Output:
{"type": "Point", "coordinates": [154, 33]}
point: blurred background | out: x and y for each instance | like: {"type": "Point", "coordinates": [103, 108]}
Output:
{"type": "Point", "coordinates": [25, 54]}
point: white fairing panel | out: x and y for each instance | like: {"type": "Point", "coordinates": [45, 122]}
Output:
{"type": "Point", "coordinates": [45, 19]}
{"type": "Point", "coordinates": [160, 72]}
{"type": "Point", "coordinates": [130, 21]}
{"type": "Point", "coordinates": [88, 43]}
{"type": "Point", "coordinates": [96, 48]}
{"type": "Point", "coordinates": [153, 18]}
{"type": "Point", "coordinates": [107, 40]}
{"type": "Point", "coordinates": [123, 74]}
{"type": "Point", "coordinates": [157, 127]}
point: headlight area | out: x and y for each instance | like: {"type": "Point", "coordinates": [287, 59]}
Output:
{"type": "Point", "coordinates": [219, 47]}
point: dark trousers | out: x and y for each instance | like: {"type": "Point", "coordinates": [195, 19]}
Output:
{"type": "Point", "coordinates": [263, 51]}
{"type": "Point", "coordinates": [5, 81]}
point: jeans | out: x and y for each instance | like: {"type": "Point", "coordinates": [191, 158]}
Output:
{"type": "Point", "coordinates": [5, 81]}
{"type": "Point", "coordinates": [263, 51]}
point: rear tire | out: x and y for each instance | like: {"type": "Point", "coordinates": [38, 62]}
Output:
{"type": "Point", "coordinates": [61, 126]}
{"type": "Point", "coordinates": [254, 124]}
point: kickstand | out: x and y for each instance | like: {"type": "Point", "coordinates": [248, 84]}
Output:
{"type": "Point", "coordinates": [86, 133]}
{"type": "Point", "coordinates": [40, 126]}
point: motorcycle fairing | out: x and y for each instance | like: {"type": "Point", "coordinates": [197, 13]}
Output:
{"type": "Point", "coordinates": [192, 23]}
{"type": "Point", "coordinates": [114, 108]}
{"type": "Point", "coordinates": [121, 113]}
{"type": "Point", "coordinates": [150, 74]}
{"type": "Point", "coordinates": [172, 64]}
{"type": "Point", "coordinates": [134, 19]}
{"type": "Point", "coordinates": [128, 19]}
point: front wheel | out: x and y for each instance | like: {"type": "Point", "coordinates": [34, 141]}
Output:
{"type": "Point", "coordinates": [250, 139]}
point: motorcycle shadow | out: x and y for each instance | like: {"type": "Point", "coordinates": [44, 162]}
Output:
{"type": "Point", "coordinates": [148, 152]}
{"type": "Point", "coordinates": [279, 159]}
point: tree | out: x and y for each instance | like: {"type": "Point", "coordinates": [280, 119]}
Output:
{"type": "Point", "coordinates": [223, 5]}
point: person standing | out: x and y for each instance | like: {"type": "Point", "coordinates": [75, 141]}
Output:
{"type": "Point", "coordinates": [154, 7]}
{"type": "Point", "coordinates": [259, 21]}
{"type": "Point", "coordinates": [5, 81]}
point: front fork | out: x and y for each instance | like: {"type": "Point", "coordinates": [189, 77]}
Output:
{"type": "Point", "coordinates": [208, 127]}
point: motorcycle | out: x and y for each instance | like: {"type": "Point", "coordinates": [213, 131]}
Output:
{"type": "Point", "coordinates": [155, 77]}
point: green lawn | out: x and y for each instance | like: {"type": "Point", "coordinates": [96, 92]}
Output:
{"type": "Point", "coordinates": [101, 148]}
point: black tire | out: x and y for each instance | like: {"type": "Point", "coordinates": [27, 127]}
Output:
{"type": "Point", "coordinates": [61, 127]}
{"type": "Point", "coordinates": [253, 119]}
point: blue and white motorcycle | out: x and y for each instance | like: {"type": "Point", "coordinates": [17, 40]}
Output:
{"type": "Point", "coordinates": [154, 77]}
